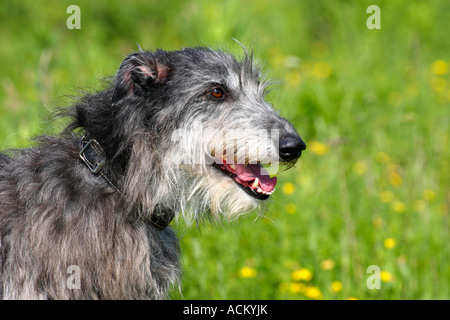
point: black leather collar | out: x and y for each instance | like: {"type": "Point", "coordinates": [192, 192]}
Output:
{"type": "Point", "coordinates": [93, 156]}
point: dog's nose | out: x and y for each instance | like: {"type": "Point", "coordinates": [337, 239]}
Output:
{"type": "Point", "coordinates": [291, 147]}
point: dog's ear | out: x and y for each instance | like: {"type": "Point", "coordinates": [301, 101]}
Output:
{"type": "Point", "coordinates": [138, 73]}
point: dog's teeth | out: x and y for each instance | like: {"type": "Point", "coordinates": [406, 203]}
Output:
{"type": "Point", "coordinates": [255, 184]}
{"type": "Point", "coordinates": [259, 190]}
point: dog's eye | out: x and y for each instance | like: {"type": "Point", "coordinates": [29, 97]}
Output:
{"type": "Point", "coordinates": [217, 93]}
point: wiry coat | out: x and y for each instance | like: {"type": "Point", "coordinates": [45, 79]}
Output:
{"type": "Point", "coordinates": [54, 213]}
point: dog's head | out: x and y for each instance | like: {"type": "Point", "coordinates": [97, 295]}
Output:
{"type": "Point", "coordinates": [203, 136]}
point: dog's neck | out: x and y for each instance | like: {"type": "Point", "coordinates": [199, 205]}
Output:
{"type": "Point", "coordinates": [93, 156]}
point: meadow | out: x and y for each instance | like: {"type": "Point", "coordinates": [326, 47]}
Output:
{"type": "Point", "coordinates": [372, 188]}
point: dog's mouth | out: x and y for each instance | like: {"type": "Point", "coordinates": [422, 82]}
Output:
{"type": "Point", "coordinates": [252, 178]}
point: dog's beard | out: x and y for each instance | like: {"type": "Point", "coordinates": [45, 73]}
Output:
{"type": "Point", "coordinates": [220, 172]}
{"type": "Point", "coordinates": [219, 195]}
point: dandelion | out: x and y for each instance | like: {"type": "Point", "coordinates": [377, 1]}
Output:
{"type": "Point", "coordinates": [386, 276]}
{"type": "Point", "coordinates": [352, 298]}
{"type": "Point", "coordinates": [288, 188]}
{"type": "Point", "coordinates": [377, 221]}
{"type": "Point", "coordinates": [393, 167]}
{"type": "Point", "coordinates": [247, 272]}
{"type": "Point", "coordinates": [398, 206]}
{"type": "Point", "coordinates": [382, 157]}
{"type": "Point", "coordinates": [360, 167]}
{"type": "Point", "coordinates": [313, 293]}
{"type": "Point", "coordinates": [296, 288]}
{"type": "Point", "coordinates": [395, 179]}
{"type": "Point", "coordinates": [327, 264]}
{"type": "Point", "coordinates": [428, 195]}
{"type": "Point", "coordinates": [438, 85]}
{"type": "Point", "coordinates": [291, 208]}
{"type": "Point", "coordinates": [302, 274]}
{"type": "Point", "coordinates": [293, 78]}
{"type": "Point", "coordinates": [386, 196]}
{"type": "Point", "coordinates": [318, 148]}
{"type": "Point", "coordinates": [419, 205]}
{"type": "Point", "coordinates": [321, 70]}
{"type": "Point", "coordinates": [336, 286]}
{"type": "Point", "coordinates": [277, 56]}
{"type": "Point", "coordinates": [439, 67]}
{"type": "Point", "coordinates": [389, 243]}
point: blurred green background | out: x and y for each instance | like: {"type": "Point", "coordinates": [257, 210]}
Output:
{"type": "Point", "coordinates": [372, 105]}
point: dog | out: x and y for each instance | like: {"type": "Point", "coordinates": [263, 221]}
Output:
{"type": "Point", "coordinates": [176, 134]}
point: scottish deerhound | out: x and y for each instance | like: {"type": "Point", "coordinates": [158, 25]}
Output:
{"type": "Point", "coordinates": [85, 215]}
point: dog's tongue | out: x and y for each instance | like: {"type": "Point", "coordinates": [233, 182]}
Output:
{"type": "Point", "coordinates": [250, 172]}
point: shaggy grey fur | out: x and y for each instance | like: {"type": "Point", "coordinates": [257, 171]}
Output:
{"type": "Point", "coordinates": [56, 215]}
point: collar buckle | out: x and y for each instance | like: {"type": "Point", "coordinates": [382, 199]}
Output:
{"type": "Point", "coordinates": [92, 155]}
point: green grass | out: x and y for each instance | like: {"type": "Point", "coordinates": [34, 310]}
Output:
{"type": "Point", "coordinates": [372, 106]}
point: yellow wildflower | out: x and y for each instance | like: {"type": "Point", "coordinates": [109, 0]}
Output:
{"type": "Point", "coordinates": [313, 293]}
{"type": "Point", "coordinates": [352, 298]}
{"type": "Point", "coordinates": [439, 67]}
{"type": "Point", "coordinates": [386, 196]}
{"type": "Point", "coordinates": [393, 167]}
{"type": "Point", "coordinates": [438, 85]}
{"type": "Point", "coordinates": [377, 221]}
{"type": "Point", "coordinates": [428, 195]}
{"type": "Point", "coordinates": [389, 243]}
{"type": "Point", "coordinates": [296, 288]}
{"type": "Point", "coordinates": [247, 272]}
{"type": "Point", "coordinates": [293, 78]}
{"type": "Point", "coordinates": [288, 188]}
{"type": "Point", "coordinates": [360, 167]}
{"type": "Point", "coordinates": [291, 208]}
{"type": "Point", "coordinates": [419, 205]}
{"type": "Point", "coordinates": [327, 264]}
{"type": "Point", "coordinates": [302, 274]}
{"type": "Point", "coordinates": [383, 157]}
{"type": "Point", "coordinates": [318, 148]}
{"type": "Point", "coordinates": [386, 276]}
{"type": "Point", "coordinates": [395, 179]}
{"type": "Point", "coordinates": [277, 56]}
{"type": "Point", "coordinates": [398, 206]}
{"type": "Point", "coordinates": [336, 286]}
{"type": "Point", "coordinates": [321, 70]}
